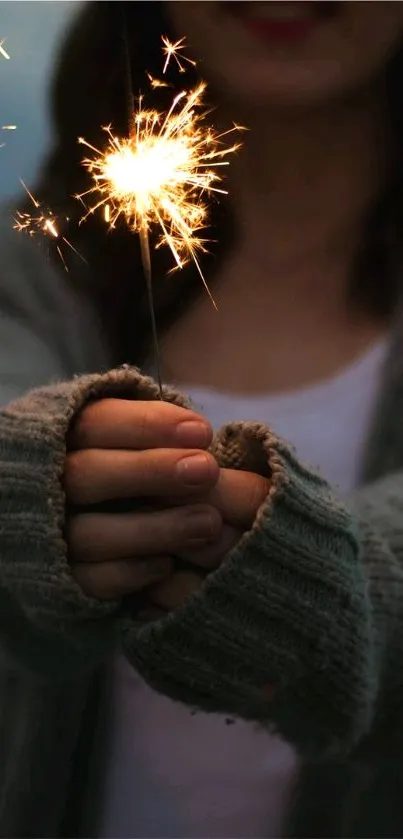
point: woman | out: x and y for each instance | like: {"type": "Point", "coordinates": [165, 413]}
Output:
{"type": "Point", "coordinates": [284, 602]}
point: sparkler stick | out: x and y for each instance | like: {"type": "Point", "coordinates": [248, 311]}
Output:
{"type": "Point", "coordinates": [159, 175]}
{"type": "Point", "coordinates": [143, 232]}
{"type": "Point", "coordinates": [146, 262]}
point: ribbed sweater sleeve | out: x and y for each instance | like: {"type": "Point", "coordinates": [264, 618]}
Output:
{"type": "Point", "coordinates": [284, 632]}
{"type": "Point", "coordinates": [296, 628]}
{"type": "Point", "coordinates": [47, 623]}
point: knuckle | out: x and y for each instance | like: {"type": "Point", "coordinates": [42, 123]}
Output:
{"type": "Point", "coordinates": [84, 538]}
{"type": "Point", "coordinates": [110, 580]}
{"type": "Point", "coordinates": [174, 413]}
{"type": "Point", "coordinates": [156, 418]}
{"type": "Point", "coordinates": [211, 555]}
{"type": "Point", "coordinates": [144, 419]}
{"type": "Point", "coordinates": [197, 523]}
{"type": "Point", "coordinates": [152, 466]}
{"type": "Point", "coordinates": [149, 533]}
{"type": "Point", "coordinates": [103, 581]}
{"type": "Point", "coordinates": [82, 432]}
{"type": "Point", "coordinates": [78, 467]}
{"type": "Point", "coordinates": [72, 474]}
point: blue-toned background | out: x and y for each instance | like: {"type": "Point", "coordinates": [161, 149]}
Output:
{"type": "Point", "coordinates": [31, 32]}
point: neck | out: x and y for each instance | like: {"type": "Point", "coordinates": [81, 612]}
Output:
{"type": "Point", "coordinates": [302, 186]}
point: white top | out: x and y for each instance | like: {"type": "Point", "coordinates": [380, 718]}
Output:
{"type": "Point", "coordinates": [174, 774]}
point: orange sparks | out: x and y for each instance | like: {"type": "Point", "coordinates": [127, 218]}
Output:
{"type": "Point", "coordinates": [171, 50]}
{"type": "Point", "coordinates": [156, 82]}
{"type": "Point", "coordinates": [41, 221]}
{"type": "Point", "coordinates": [160, 174]}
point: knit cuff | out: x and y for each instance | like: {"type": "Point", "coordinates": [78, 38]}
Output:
{"type": "Point", "coordinates": [279, 634]}
{"type": "Point", "coordinates": [45, 618]}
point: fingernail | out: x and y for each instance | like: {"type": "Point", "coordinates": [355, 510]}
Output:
{"type": "Point", "coordinates": [201, 526]}
{"type": "Point", "coordinates": [194, 470]}
{"type": "Point", "coordinates": [193, 433]}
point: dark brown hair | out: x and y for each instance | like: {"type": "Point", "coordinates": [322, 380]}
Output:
{"type": "Point", "coordinates": [90, 90]}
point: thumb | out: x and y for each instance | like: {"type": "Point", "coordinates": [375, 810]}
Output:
{"type": "Point", "coordinates": [238, 496]}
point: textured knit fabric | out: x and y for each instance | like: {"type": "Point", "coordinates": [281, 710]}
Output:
{"type": "Point", "coordinates": [299, 630]}
{"type": "Point", "coordinates": [197, 776]}
{"type": "Point", "coordinates": [307, 603]}
{"type": "Point", "coordinates": [255, 626]}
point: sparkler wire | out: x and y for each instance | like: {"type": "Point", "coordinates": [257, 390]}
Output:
{"type": "Point", "coordinates": [146, 263]}
{"type": "Point", "coordinates": [143, 233]}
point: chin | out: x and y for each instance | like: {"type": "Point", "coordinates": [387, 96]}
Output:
{"type": "Point", "coordinates": [289, 53]}
{"type": "Point", "coordinates": [274, 87]}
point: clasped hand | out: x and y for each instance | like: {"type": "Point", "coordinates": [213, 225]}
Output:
{"type": "Point", "coordinates": [154, 453]}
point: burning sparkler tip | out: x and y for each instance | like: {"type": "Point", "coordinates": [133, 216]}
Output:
{"type": "Point", "coordinates": [159, 174]}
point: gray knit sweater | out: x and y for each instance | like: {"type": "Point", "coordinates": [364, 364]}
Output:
{"type": "Point", "coordinates": [310, 601]}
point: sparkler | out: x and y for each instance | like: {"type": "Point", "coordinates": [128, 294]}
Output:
{"type": "Point", "coordinates": [45, 222]}
{"type": "Point", "coordinates": [159, 175]}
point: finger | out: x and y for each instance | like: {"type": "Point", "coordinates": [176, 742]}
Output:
{"type": "Point", "coordinates": [238, 496]}
{"type": "Point", "coordinates": [95, 475]}
{"type": "Point", "coordinates": [94, 537]}
{"type": "Point", "coordinates": [170, 593]}
{"type": "Point", "coordinates": [210, 556]}
{"type": "Point", "coordinates": [109, 580]}
{"type": "Point", "coordinates": [128, 424]}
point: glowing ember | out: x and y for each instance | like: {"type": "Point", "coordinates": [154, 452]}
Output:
{"type": "Point", "coordinates": [42, 221]}
{"type": "Point", "coordinates": [156, 82]}
{"type": "Point", "coordinates": [171, 51]}
{"type": "Point", "coordinates": [160, 173]}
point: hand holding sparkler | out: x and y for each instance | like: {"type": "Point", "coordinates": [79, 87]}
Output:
{"type": "Point", "coordinates": [136, 450]}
